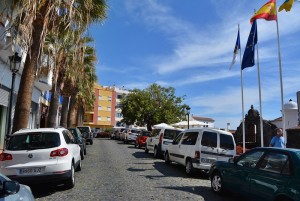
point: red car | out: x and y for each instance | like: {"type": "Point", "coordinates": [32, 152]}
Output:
{"type": "Point", "coordinates": [141, 139]}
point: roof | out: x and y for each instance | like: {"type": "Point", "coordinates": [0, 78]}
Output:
{"type": "Point", "coordinates": [203, 119]}
{"type": "Point", "coordinates": [27, 130]}
{"type": "Point", "coordinates": [277, 119]}
{"type": "Point", "coordinates": [294, 128]}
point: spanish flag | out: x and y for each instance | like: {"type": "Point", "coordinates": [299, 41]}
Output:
{"type": "Point", "coordinates": [287, 5]}
{"type": "Point", "coordinates": [267, 12]}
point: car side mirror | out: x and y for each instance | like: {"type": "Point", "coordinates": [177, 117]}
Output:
{"type": "Point", "coordinates": [10, 187]}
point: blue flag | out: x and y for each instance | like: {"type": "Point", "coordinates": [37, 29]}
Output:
{"type": "Point", "coordinates": [248, 57]}
{"type": "Point", "coordinates": [237, 47]}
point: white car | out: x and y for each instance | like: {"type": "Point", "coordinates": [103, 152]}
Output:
{"type": "Point", "coordinates": [41, 155]}
{"type": "Point", "coordinates": [198, 148]}
{"type": "Point", "coordinates": [13, 191]}
{"type": "Point", "coordinates": [160, 138]}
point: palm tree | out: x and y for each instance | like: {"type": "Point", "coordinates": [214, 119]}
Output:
{"type": "Point", "coordinates": [36, 19]}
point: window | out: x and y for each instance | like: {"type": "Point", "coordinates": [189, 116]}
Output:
{"type": "Point", "coordinates": [119, 115]}
{"type": "Point", "coordinates": [32, 141]}
{"type": "Point", "coordinates": [99, 118]}
{"type": "Point", "coordinates": [250, 160]}
{"type": "Point", "coordinates": [226, 142]}
{"type": "Point", "coordinates": [109, 98]}
{"type": "Point", "coordinates": [99, 107]}
{"type": "Point", "coordinates": [100, 97]}
{"type": "Point", "coordinates": [108, 119]}
{"type": "Point", "coordinates": [178, 138]}
{"type": "Point", "coordinates": [155, 132]}
{"type": "Point", "coordinates": [108, 108]}
{"type": "Point", "coordinates": [276, 163]}
{"type": "Point", "coordinates": [170, 134]}
{"type": "Point", "coordinates": [67, 137]}
{"type": "Point", "coordinates": [190, 138]}
{"type": "Point", "coordinates": [119, 96]}
{"type": "Point", "coordinates": [209, 139]}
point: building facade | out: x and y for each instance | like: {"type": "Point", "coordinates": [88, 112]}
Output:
{"type": "Point", "coordinates": [102, 115]}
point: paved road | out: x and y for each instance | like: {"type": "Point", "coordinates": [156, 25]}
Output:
{"type": "Point", "coordinates": [115, 171]}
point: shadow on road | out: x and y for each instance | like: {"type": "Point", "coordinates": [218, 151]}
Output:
{"type": "Point", "coordinates": [40, 191]}
{"type": "Point", "coordinates": [176, 170]}
{"type": "Point", "coordinates": [204, 192]}
{"type": "Point", "coordinates": [141, 154]}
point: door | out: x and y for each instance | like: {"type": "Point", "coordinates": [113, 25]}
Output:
{"type": "Point", "coordinates": [209, 148]}
{"type": "Point", "coordinates": [187, 146]}
{"type": "Point", "coordinates": [226, 148]}
{"type": "Point", "coordinates": [273, 173]}
{"type": "Point", "coordinates": [151, 141]}
{"type": "Point", "coordinates": [174, 147]}
{"type": "Point", "coordinates": [240, 174]}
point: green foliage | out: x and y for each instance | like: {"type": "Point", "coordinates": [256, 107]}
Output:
{"type": "Point", "coordinates": [152, 105]}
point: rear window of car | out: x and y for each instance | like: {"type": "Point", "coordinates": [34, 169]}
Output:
{"type": "Point", "coordinates": [146, 134]}
{"type": "Point", "coordinates": [171, 134]}
{"type": "Point", "coordinates": [31, 141]}
{"type": "Point", "coordinates": [226, 142]}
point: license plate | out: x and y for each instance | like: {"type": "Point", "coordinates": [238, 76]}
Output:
{"type": "Point", "coordinates": [31, 170]}
{"type": "Point", "coordinates": [206, 160]}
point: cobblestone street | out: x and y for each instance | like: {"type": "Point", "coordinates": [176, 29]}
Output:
{"type": "Point", "coordinates": [115, 171]}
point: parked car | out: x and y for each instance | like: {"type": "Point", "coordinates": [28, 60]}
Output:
{"type": "Point", "coordinates": [160, 138]}
{"type": "Point", "coordinates": [198, 148]}
{"type": "Point", "coordinates": [269, 174]}
{"type": "Point", "coordinates": [118, 134]}
{"type": "Point", "coordinates": [123, 134]}
{"type": "Point", "coordinates": [80, 140]}
{"type": "Point", "coordinates": [87, 133]}
{"type": "Point", "coordinates": [130, 136]}
{"type": "Point", "coordinates": [141, 139]}
{"type": "Point", "coordinates": [41, 155]}
{"type": "Point", "coordinates": [12, 190]}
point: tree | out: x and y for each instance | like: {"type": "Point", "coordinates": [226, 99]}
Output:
{"type": "Point", "coordinates": [36, 18]}
{"type": "Point", "coordinates": [151, 106]}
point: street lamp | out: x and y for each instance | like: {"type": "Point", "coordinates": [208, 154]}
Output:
{"type": "Point", "coordinates": [14, 65]}
{"type": "Point", "coordinates": [188, 115]}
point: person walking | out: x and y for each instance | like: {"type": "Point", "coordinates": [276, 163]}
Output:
{"type": "Point", "coordinates": [278, 140]}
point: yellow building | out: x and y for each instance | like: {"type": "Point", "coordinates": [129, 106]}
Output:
{"type": "Point", "coordinates": [103, 115]}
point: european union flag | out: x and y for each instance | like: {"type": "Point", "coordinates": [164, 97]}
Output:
{"type": "Point", "coordinates": [248, 57]}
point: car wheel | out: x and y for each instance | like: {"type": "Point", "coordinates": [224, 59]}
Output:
{"type": "Point", "coordinates": [135, 145]}
{"type": "Point", "coordinates": [189, 167]}
{"type": "Point", "coordinates": [91, 142]}
{"type": "Point", "coordinates": [217, 183]}
{"type": "Point", "coordinates": [70, 183]}
{"type": "Point", "coordinates": [81, 155]}
{"type": "Point", "coordinates": [79, 167]}
{"type": "Point", "coordinates": [155, 154]}
{"type": "Point", "coordinates": [167, 158]}
{"type": "Point", "coordinates": [140, 146]}
{"type": "Point", "coordinates": [146, 149]}
{"type": "Point", "coordinates": [84, 151]}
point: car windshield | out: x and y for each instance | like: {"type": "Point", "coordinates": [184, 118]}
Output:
{"type": "Point", "coordinates": [31, 141]}
{"type": "Point", "coordinates": [84, 129]}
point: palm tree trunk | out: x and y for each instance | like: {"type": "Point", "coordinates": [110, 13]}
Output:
{"type": "Point", "coordinates": [80, 112]}
{"type": "Point", "coordinates": [72, 112]}
{"type": "Point", "coordinates": [64, 112]}
{"type": "Point", "coordinates": [23, 104]}
{"type": "Point", "coordinates": [54, 103]}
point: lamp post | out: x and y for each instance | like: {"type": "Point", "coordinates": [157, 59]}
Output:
{"type": "Point", "coordinates": [14, 65]}
{"type": "Point", "coordinates": [188, 115]}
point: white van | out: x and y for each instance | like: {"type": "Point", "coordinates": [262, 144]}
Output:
{"type": "Point", "coordinates": [198, 148]}
{"type": "Point", "coordinates": [160, 138]}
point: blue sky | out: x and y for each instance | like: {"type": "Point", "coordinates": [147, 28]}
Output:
{"type": "Point", "coordinates": [189, 45]}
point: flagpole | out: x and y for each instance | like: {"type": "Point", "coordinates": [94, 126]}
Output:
{"type": "Point", "coordinates": [280, 76]}
{"type": "Point", "coordinates": [260, 105]}
{"type": "Point", "coordinates": [242, 93]}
